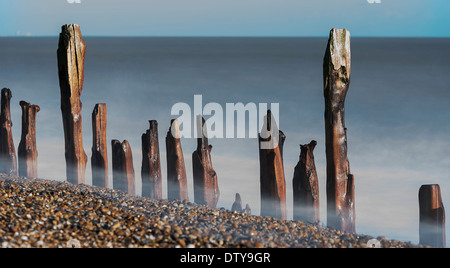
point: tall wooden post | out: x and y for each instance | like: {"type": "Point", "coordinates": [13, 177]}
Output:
{"type": "Point", "coordinates": [71, 52]}
{"type": "Point", "coordinates": [206, 187]}
{"type": "Point", "coordinates": [8, 159]}
{"type": "Point", "coordinates": [306, 186]}
{"type": "Point", "coordinates": [272, 180]}
{"type": "Point", "coordinates": [122, 164]}
{"type": "Point", "coordinates": [340, 183]}
{"type": "Point", "coordinates": [27, 150]}
{"type": "Point", "coordinates": [99, 158]}
{"type": "Point", "coordinates": [151, 163]}
{"type": "Point", "coordinates": [432, 216]}
{"type": "Point", "coordinates": [176, 172]}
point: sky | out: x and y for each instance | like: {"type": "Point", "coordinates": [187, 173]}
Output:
{"type": "Point", "coordinates": [389, 18]}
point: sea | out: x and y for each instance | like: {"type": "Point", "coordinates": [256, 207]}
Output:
{"type": "Point", "coordinates": [397, 111]}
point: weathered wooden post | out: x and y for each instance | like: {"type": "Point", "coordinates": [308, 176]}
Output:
{"type": "Point", "coordinates": [151, 163]}
{"type": "Point", "coordinates": [206, 187]}
{"type": "Point", "coordinates": [122, 164]}
{"type": "Point", "coordinates": [27, 151]}
{"type": "Point", "coordinates": [237, 205]}
{"type": "Point", "coordinates": [8, 160]}
{"type": "Point", "coordinates": [340, 183]}
{"type": "Point", "coordinates": [247, 209]}
{"type": "Point", "coordinates": [432, 216]}
{"type": "Point", "coordinates": [273, 184]}
{"type": "Point", "coordinates": [99, 158]}
{"type": "Point", "coordinates": [176, 172]}
{"type": "Point", "coordinates": [71, 52]}
{"type": "Point", "coordinates": [306, 186]}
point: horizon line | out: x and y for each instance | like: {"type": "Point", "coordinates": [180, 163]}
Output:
{"type": "Point", "coordinates": [219, 36]}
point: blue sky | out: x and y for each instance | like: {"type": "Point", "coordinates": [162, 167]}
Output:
{"type": "Point", "coordinates": [403, 18]}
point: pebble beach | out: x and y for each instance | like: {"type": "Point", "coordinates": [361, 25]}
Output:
{"type": "Point", "coordinates": [52, 214]}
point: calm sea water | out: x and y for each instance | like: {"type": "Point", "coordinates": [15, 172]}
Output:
{"type": "Point", "coordinates": [397, 110]}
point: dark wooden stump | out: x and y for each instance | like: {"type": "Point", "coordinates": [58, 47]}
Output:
{"type": "Point", "coordinates": [123, 171]}
{"type": "Point", "coordinates": [27, 150]}
{"type": "Point", "coordinates": [151, 163]}
{"type": "Point", "coordinates": [99, 159]}
{"type": "Point", "coordinates": [306, 186]}
{"type": "Point", "coordinates": [8, 159]}
{"type": "Point", "coordinates": [206, 187]}
{"type": "Point", "coordinates": [272, 180]}
{"type": "Point", "coordinates": [176, 171]}
{"type": "Point", "coordinates": [432, 216]}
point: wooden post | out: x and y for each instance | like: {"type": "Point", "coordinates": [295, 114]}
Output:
{"type": "Point", "coordinates": [237, 205]}
{"type": "Point", "coordinates": [247, 209]}
{"type": "Point", "coordinates": [99, 159]}
{"type": "Point", "coordinates": [123, 171]}
{"type": "Point", "coordinates": [206, 188]}
{"type": "Point", "coordinates": [176, 172]}
{"type": "Point", "coordinates": [71, 52]}
{"type": "Point", "coordinates": [273, 184]}
{"type": "Point", "coordinates": [8, 160]}
{"type": "Point", "coordinates": [432, 216]}
{"type": "Point", "coordinates": [151, 164]}
{"type": "Point", "coordinates": [306, 186]}
{"type": "Point", "coordinates": [27, 150]}
{"type": "Point", "coordinates": [340, 183]}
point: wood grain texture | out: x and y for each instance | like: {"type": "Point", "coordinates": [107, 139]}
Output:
{"type": "Point", "coordinates": [176, 171]}
{"type": "Point", "coordinates": [151, 163]}
{"type": "Point", "coordinates": [71, 53]}
{"type": "Point", "coordinates": [99, 158]}
{"type": "Point", "coordinates": [340, 183]}
{"type": "Point", "coordinates": [122, 164]}
{"type": "Point", "coordinates": [272, 179]}
{"type": "Point", "coordinates": [306, 186]}
{"type": "Point", "coordinates": [8, 159]}
{"type": "Point", "coordinates": [27, 151]}
{"type": "Point", "coordinates": [206, 187]}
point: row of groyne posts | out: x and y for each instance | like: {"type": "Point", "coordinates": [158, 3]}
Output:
{"type": "Point", "coordinates": [340, 185]}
